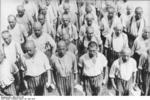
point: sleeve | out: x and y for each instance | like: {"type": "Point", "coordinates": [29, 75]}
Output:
{"type": "Point", "coordinates": [107, 43]}
{"type": "Point", "coordinates": [142, 61]}
{"type": "Point", "coordinates": [126, 41]}
{"type": "Point", "coordinates": [134, 66]}
{"type": "Point", "coordinates": [81, 33]}
{"type": "Point", "coordinates": [113, 70]}
{"type": "Point", "coordinates": [24, 31]}
{"type": "Point", "coordinates": [19, 50]}
{"type": "Point", "coordinates": [52, 43]}
{"type": "Point", "coordinates": [46, 62]}
{"type": "Point", "coordinates": [105, 62]}
{"type": "Point", "coordinates": [75, 32]}
{"type": "Point", "coordinates": [14, 69]}
{"type": "Point", "coordinates": [75, 64]}
{"type": "Point", "coordinates": [80, 63]}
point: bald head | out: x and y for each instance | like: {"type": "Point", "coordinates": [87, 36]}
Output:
{"type": "Point", "coordinates": [89, 16]}
{"type": "Point", "coordinates": [41, 19]}
{"type": "Point", "coordinates": [6, 37]}
{"type": "Point", "coordinates": [62, 48]}
{"type": "Point", "coordinates": [37, 29]}
{"type": "Point", "coordinates": [88, 8]}
{"type": "Point", "coordinates": [20, 8]}
{"type": "Point", "coordinates": [146, 33]}
{"type": "Point", "coordinates": [66, 7]}
{"type": "Point", "coordinates": [138, 13]}
{"type": "Point", "coordinates": [66, 19]}
{"type": "Point", "coordinates": [111, 12]}
{"type": "Point", "coordinates": [125, 54]}
{"type": "Point", "coordinates": [30, 48]}
{"type": "Point", "coordinates": [89, 29]}
{"type": "Point", "coordinates": [12, 21]}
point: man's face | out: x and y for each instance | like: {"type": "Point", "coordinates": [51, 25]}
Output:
{"type": "Point", "coordinates": [145, 34]}
{"type": "Point", "coordinates": [118, 31]}
{"type": "Point", "coordinates": [125, 57]}
{"type": "Point", "coordinates": [12, 22]}
{"type": "Point", "coordinates": [7, 38]}
{"type": "Point", "coordinates": [38, 31]}
{"type": "Point", "coordinates": [110, 14]}
{"type": "Point", "coordinates": [41, 20]}
{"type": "Point", "coordinates": [66, 10]}
{"type": "Point", "coordinates": [62, 50]}
{"type": "Point", "coordinates": [92, 51]}
{"type": "Point", "coordinates": [90, 35]}
{"type": "Point", "coordinates": [138, 14]}
{"type": "Point", "coordinates": [66, 21]}
{"type": "Point", "coordinates": [20, 13]}
{"type": "Point", "coordinates": [30, 51]}
{"type": "Point", "coordinates": [89, 21]}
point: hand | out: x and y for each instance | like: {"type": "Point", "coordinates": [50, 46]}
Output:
{"type": "Point", "coordinates": [104, 82]}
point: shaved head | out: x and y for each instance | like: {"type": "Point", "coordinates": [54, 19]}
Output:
{"type": "Point", "coordinates": [138, 9]}
{"type": "Point", "coordinates": [20, 8]}
{"type": "Point", "coordinates": [89, 29]}
{"type": "Point", "coordinates": [6, 37]}
{"type": "Point", "coordinates": [37, 25]}
{"type": "Point", "coordinates": [125, 54]}
{"type": "Point", "coordinates": [30, 48]}
{"type": "Point", "coordinates": [89, 17]}
{"type": "Point", "coordinates": [62, 48]}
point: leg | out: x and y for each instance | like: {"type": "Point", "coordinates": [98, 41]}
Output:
{"type": "Point", "coordinates": [87, 86]}
{"type": "Point", "coordinates": [10, 90]}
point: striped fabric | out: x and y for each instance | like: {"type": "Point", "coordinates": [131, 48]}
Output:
{"type": "Point", "coordinates": [36, 84]}
{"type": "Point", "coordinates": [8, 91]}
{"type": "Point", "coordinates": [112, 56]}
{"type": "Point", "coordinates": [92, 85]}
{"type": "Point", "coordinates": [123, 86]}
{"type": "Point", "coordinates": [64, 84]}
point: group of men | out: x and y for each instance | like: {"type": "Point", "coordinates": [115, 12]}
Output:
{"type": "Point", "coordinates": [65, 45]}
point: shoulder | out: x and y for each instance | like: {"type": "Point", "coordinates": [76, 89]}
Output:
{"type": "Point", "coordinates": [132, 60]}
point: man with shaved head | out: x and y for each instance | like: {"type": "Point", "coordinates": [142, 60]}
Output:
{"type": "Point", "coordinates": [144, 68]}
{"type": "Point", "coordinates": [37, 70]}
{"type": "Point", "coordinates": [18, 31]}
{"type": "Point", "coordinates": [115, 44]}
{"type": "Point", "coordinates": [90, 36]}
{"type": "Point", "coordinates": [67, 28]}
{"type": "Point", "coordinates": [46, 26]}
{"type": "Point", "coordinates": [93, 70]}
{"type": "Point", "coordinates": [9, 76]}
{"type": "Point", "coordinates": [23, 19]}
{"type": "Point", "coordinates": [123, 73]}
{"type": "Point", "coordinates": [108, 22]}
{"type": "Point", "coordinates": [64, 66]}
{"type": "Point", "coordinates": [11, 48]}
{"type": "Point", "coordinates": [43, 41]}
{"type": "Point", "coordinates": [136, 25]}
{"type": "Point", "coordinates": [89, 22]}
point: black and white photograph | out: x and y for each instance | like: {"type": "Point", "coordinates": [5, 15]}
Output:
{"type": "Point", "coordinates": [74, 48]}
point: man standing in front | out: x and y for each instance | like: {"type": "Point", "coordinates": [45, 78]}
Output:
{"type": "Point", "coordinates": [65, 69]}
{"type": "Point", "coordinates": [37, 69]}
{"type": "Point", "coordinates": [123, 73]}
{"type": "Point", "coordinates": [93, 66]}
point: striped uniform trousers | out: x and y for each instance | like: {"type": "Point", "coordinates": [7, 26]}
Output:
{"type": "Point", "coordinates": [36, 84]}
{"type": "Point", "coordinates": [146, 77]}
{"type": "Point", "coordinates": [123, 86]}
{"type": "Point", "coordinates": [112, 56]}
{"type": "Point", "coordinates": [8, 90]}
{"type": "Point", "coordinates": [92, 85]}
{"type": "Point", "coordinates": [64, 84]}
